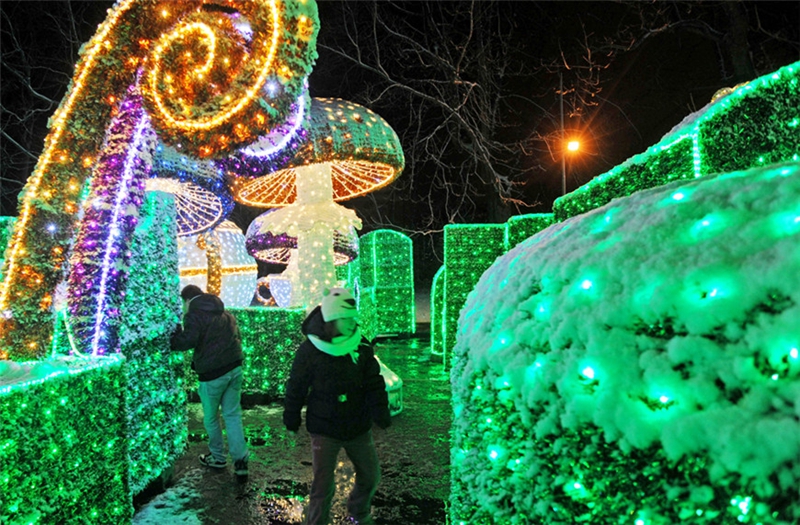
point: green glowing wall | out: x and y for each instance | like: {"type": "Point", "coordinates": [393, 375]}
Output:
{"type": "Point", "coordinates": [6, 229]}
{"type": "Point", "coordinates": [156, 398]}
{"type": "Point", "coordinates": [501, 472]}
{"type": "Point", "coordinates": [349, 274]}
{"type": "Point", "coordinates": [63, 447]}
{"type": "Point", "coordinates": [156, 401]}
{"type": "Point", "coordinates": [270, 338]}
{"type": "Point", "coordinates": [520, 227]}
{"type": "Point", "coordinates": [387, 282]}
{"type": "Point", "coordinates": [469, 249]}
{"type": "Point", "coordinates": [437, 312]}
{"type": "Point", "coordinates": [756, 125]}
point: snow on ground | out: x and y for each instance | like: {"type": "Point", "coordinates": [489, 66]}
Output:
{"type": "Point", "coordinates": [178, 505]}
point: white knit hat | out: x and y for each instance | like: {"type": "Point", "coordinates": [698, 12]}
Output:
{"type": "Point", "coordinates": [338, 303]}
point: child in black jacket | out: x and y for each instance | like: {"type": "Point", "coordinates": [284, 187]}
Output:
{"type": "Point", "coordinates": [336, 374]}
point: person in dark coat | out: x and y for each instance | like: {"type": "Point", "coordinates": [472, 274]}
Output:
{"type": "Point", "coordinates": [217, 359]}
{"type": "Point", "coordinates": [336, 375]}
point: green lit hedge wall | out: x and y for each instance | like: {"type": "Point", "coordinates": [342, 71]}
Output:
{"type": "Point", "coordinates": [755, 125]}
{"type": "Point", "coordinates": [350, 274]}
{"type": "Point", "coordinates": [63, 448]}
{"type": "Point", "coordinates": [157, 428]}
{"type": "Point", "coordinates": [520, 227]}
{"type": "Point", "coordinates": [437, 312]}
{"type": "Point", "coordinates": [270, 338]}
{"type": "Point", "coordinates": [387, 276]}
{"type": "Point", "coordinates": [469, 249]}
{"type": "Point", "coordinates": [444, 312]}
{"type": "Point", "coordinates": [156, 397]}
{"type": "Point", "coordinates": [6, 229]}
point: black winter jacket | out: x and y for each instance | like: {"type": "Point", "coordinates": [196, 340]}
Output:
{"type": "Point", "coordinates": [343, 397]}
{"type": "Point", "coordinates": [214, 335]}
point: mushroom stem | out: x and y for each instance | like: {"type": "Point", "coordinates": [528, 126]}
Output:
{"type": "Point", "coordinates": [315, 245]}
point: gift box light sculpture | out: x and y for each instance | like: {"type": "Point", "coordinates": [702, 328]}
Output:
{"type": "Point", "coordinates": [265, 246]}
{"type": "Point", "coordinates": [214, 78]}
{"type": "Point", "coordinates": [217, 261]}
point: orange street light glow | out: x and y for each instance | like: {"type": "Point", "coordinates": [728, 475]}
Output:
{"type": "Point", "coordinates": [573, 145]}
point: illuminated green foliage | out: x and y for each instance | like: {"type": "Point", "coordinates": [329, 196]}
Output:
{"type": "Point", "coordinates": [387, 278]}
{"type": "Point", "coordinates": [270, 338]}
{"type": "Point", "coordinates": [156, 401]}
{"type": "Point", "coordinates": [437, 312]}
{"type": "Point", "coordinates": [754, 126]}
{"type": "Point", "coordinates": [64, 448]}
{"type": "Point", "coordinates": [539, 434]}
{"type": "Point", "coordinates": [469, 249]}
{"type": "Point", "coordinates": [520, 227]}
{"type": "Point", "coordinates": [6, 229]}
{"type": "Point", "coordinates": [155, 393]}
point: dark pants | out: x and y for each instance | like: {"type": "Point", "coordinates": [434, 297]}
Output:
{"type": "Point", "coordinates": [361, 451]}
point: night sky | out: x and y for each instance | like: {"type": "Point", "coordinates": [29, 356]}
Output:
{"type": "Point", "coordinates": [643, 84]}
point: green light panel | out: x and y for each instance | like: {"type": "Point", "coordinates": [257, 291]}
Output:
{"type": "Point", "coordinates": [437, 312]}
{"type": "Point", "coordinates": [270, 338]}
{"type": "Point", "coordinates": [349, 274]}
{"type": "Point", "coordinates": [387, 277]}
{"type": "Point", "coordinates": [520, 227]}
{"type": "Point", "coordinates": [755, 125]}
{"type": "Point", "coordinates": [157, 429]}
{"type": "Point", "coordinates": [469, 249]}
{"type": "Point", "coordinates": [63, 445]}
{"type": "Point", "coordinates": [6, 230]}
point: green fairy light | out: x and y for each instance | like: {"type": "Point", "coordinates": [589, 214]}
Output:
{"type": "Point", "coordinates": [387, 278]}
{"type": "Point", "coordinates": [87, 403]}
{"type": "Point", "coordinates": [438, 324]}
{"type": "Point", "coordinates": [469, 249]}
{"type": "Point", "coordinates": [715, 142]}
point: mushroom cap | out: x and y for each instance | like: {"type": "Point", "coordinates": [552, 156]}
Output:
{"type": "Point", "coordinates": [363, 150]}
{"type": "Point", "coordinates": [273, 248]}
{"type": "Point", "coordinates": [202, 200]}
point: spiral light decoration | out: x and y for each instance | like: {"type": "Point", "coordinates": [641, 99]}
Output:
{"type": "Point", "coordinates": [214, 77]}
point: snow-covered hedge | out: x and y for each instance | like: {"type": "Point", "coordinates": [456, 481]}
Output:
{"type": "Point", "coordinates": [751, 126]}
{"type": "Point", "coordinates": [63, 444]}
{"type": "Point", "coordinates": [270, 338]}
{"type": "Point", "coordinates": [638, 364]}
{"type": "Point", "coordinates": [149, 311]}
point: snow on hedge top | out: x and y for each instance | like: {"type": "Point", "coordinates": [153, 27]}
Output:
{"type": "Point", "coordinates": [669, 316]}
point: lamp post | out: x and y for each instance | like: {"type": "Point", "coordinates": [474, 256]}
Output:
{"type": "Point", "coordinates": [572, 145]}
{"type": "Point", "coordinates": [563, 153]}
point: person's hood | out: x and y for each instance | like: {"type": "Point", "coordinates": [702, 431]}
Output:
{"type": "Point", "coordinates": [313, 328]}
{"type": "Point", "coordinates": [207, 303]}
{"type": "Point", "coordinates": [313, 324]}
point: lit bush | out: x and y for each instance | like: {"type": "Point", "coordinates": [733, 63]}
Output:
{"type": "Point", "coordinates": [638, 364]}
{"type": "Point", "coordinates": [63, 442]}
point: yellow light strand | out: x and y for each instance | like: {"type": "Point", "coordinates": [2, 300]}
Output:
{"type": "Point", "coordinates": [58, 127]}
{"type": "Point", "coordinates": [225, 270]}
{"type": "Point", "coordinates": [249, 94]}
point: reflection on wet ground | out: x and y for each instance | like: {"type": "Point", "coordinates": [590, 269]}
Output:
{"type": "Point", "coordinates": [414, 454]}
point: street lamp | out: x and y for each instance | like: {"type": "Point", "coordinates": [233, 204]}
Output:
{"type": "Point", "coordinates": [571, 146]}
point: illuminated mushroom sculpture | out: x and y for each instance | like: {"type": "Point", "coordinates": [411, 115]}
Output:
{"type": "Point", "coordinates": [202, 201]}
{"type": "Point", "coordinates": [342, 151]}
{"type": "Point", "coordinates": [272, 248]}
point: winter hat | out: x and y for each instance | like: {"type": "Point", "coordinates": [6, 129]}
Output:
{"type": "Point", "coordinates": [338, 303]}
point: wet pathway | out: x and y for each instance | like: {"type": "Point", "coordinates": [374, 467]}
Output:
{"type": "Point", "coordinates": [414, 454]}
